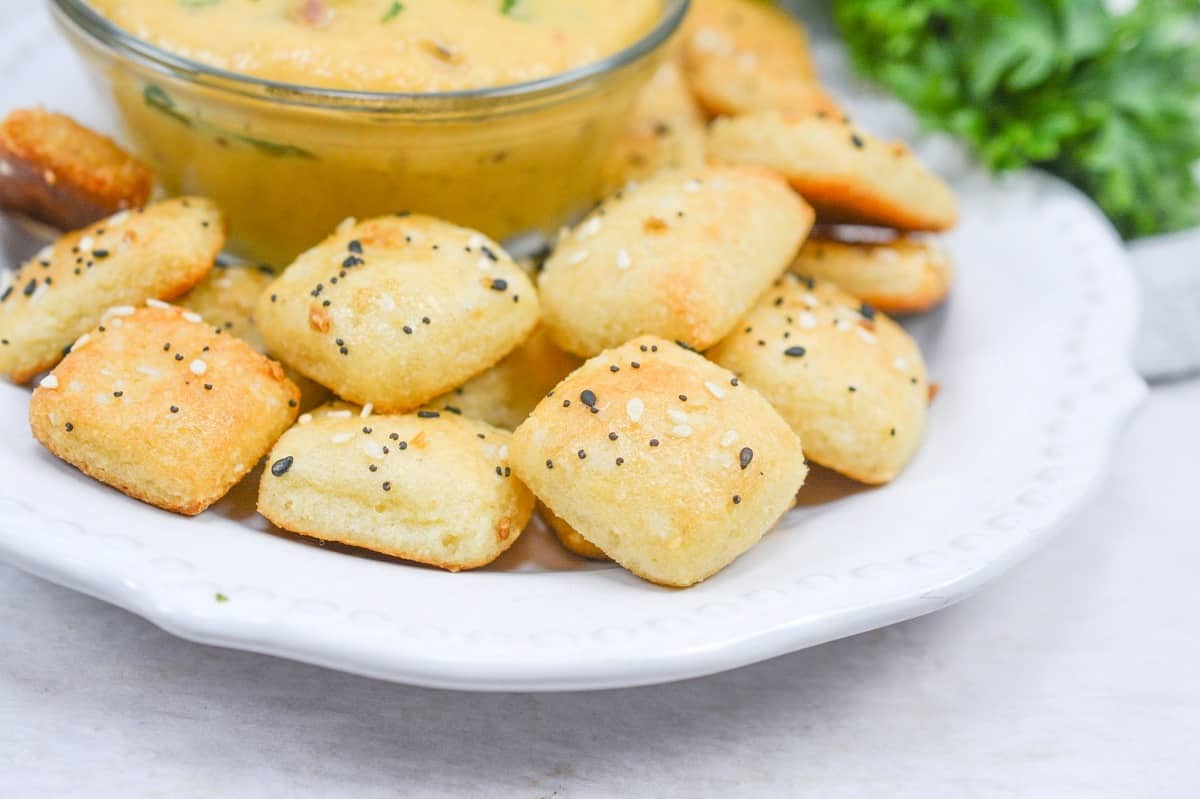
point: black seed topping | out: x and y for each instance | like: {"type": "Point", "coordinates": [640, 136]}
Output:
{"type": "Point", "coordinates": [394, 436]}
{"type": "Point", "coordinates": [549, 463]}
{"type": "Point", "coordinates": [594, 409]}
{"type": "Point", "coordinates": [614, 368]}
{"type": "Point", "coordinates": [373, 467]}
{"type": "Point", "coordinates": [30, 287]}
{"type": "Point", "coordinates": [274, 297]}
{"type": "Point", "coordinates": [487, 251]}
{"type": "Point", "coordinates": [853, 389]}
{"type": "Point", "coordinates": [856, 140]}
{"type": "Point", "coordinates": [208, 386]}
{"type": "Point", "coordinates": [453, 410]}
{"type": "Point", "coordinates": [69, 427]}
{"type": "Point", "coordinates": [352, 261]}
{"type": "Point", "coordinates": [428, 414]}
{"type": "Point", "coordinates": [612, 436]}
{"type": "Point", "coordinates": [893, 432]}
{"type": "Point", "coordinates": [499, 284]}
{"type": "Point", "coordinates": [588, 398]}
{"type": "Point", "coordinates": [99, 254]}
{"type": "Point", "coordinates": [566, 403]}
{"type": "Point", "coordinates": [368, 430]}
{"type": "Point", "coordinates": [686, 346]}
{"type": "Point", "coordinates": [778, 301]}
{"type": "Point", "coordinates": [683, 397]}
{"type": "Point", "coordinates": [407, 330]}
{"type": "Point", "coordinates": [179, 356]}
{"type": "Point", "coordinates": [355, 246]}
{"type": "Point", "coordinates": [737, 500]}
{"type": "Point", "coordinates": [745, 456]}
{"type": "Point", "coordinates": [403, 445]}
{"type": "Point", "coordinates": [499, 472]}
{"type": "Point", "coordinates": [118, 393]}
{"type": "Point", "coordinates": [292, 403]}
{"type": "Point", "coordinates": [635, 364]}
{"type": "Point", "coordinates": [387, 486]}
{"type": "Point", "coordinates": [279, 468]}
{"type": "Point", "coordinates": [581, 454]}
{"type": "Point", "coordinates": [733, 381]}
{"type": "Point", "coordinates": [867, 311]}
{"type": "Point", "coordinates": [795, 352]}
{"type": "Point", "coordinates": [344, 351]}
{"type": "Point", "coordinates": [167, 347]}
{"type": "Point", "coordinates": [620, 461]}
{"type": "Point", "coordinates": [7, 293]}
{"type": "Point", "coordinates": [174, 409]}
{"type": "Point", "coordinates": [654, 442]}
{"type": "Point", "coordinates": [424, 320]}
{"type": "Point", "coordinates": [326, 303]}
{"type": "Point", "coordinates": [644, 348]}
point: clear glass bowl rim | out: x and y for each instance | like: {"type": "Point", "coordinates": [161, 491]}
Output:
{"type": "Point", "coordinates": [109, 35]}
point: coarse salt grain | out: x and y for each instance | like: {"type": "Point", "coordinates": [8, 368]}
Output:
{"type": "Point", "coordinates": [367, 410]}
{"type": "Point", "coordinates": [86, 243]}
{"type": "Point", "coordinates": [682, 430]}
{"type": "Point", "coordinates": [192, 316]}
{"type": "Point", "coordinates": [623, 260]}
{"type": "Point", "coordinates": [49, 381]}
{"type": "Point", "coordinates": [809, 300]}
{"type": "Point", "coordinates": [153, 303]}
{"type": "Point", "coordinates": [198, 367]}
{"type": "Point", "coordinates": [901, 363]}
{"type": "Point", "coordinates": [341, 438]}
{"type": "Point", "coordinates": [807, 321]}
{"type": "Point", "coordinates": [677, 416]}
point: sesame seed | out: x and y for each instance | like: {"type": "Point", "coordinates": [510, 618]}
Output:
{"type": "Point", "coordinates": [714, 389]}
{"type": "Point", "coordinates": [159, 304]}
{"type": "Point", "coordinates": [682, 430]}
{"type": "Point", "coordinates": [120, 310]}
{"type": "Point", "coordinates": [623, 260]}
{"type": "Point", "coordinates": [577, 257]}
{"type": "Point", "coordinates": [367, 410]}
{"type": "Point", "coordinates": [795, 352]}
{"type": "Point", "coordinates": [807, 320]}
{"type": "Point", "coordinates": [79, 342]}
{"type": "Point", "coordinates": [49, 382]}
{"type": "Point", "coordinates": [588, 397]}
{"type": "Point", "coordinates": [339, 414]}
{"type": "Point", "coordinates": [866, 335]}
{"type": "Point", "coordinates": [901, 363]}
{"type": "Point", "coordinates": [730, 437]}
{"type": "Point", "coordinates": [428, 414]}
{"type": "Point", "coordinates": [634, 408]}
{"type": "Point", "coordinates": [341, 438]}
{"type": "Point", "coordinates": [499, 284]}
{"type": "Point", "coordinates": [279, 468]}
{"type": "Point", "coordinates": [198, 367]}
{"type": "Point", "coordinates": [677, 416]}
{"type": "Point", "coordinates": [745, 456]}
{"type": "Point", "coordinates": [192, 316]}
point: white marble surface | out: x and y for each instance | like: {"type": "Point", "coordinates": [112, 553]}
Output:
{"type": "Point", "coordinates": [1073, 676]}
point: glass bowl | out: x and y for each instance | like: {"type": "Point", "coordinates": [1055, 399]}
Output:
{"type": "Point", "coordinates": [288, 162]}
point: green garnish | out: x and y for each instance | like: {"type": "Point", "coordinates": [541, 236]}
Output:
{"type": "Point", "coordinates": [159, 100]}
{"type": "Point", "coordinates": [221, 597]}
{"type": "Point", "coordinates": [1109, 101]}
{"type": "Point", "coordinates": [508, 5]}
{"type": "Point", "coordinates": [393, 12]}
{"type": "Point", "coordinates": [198, 3]}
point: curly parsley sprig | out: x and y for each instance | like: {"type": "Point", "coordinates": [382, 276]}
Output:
{"type": "Point", "coordinates": [1109, 101]}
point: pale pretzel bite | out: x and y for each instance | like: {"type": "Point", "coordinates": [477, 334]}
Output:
{"type": "Point", "coordinates": [667, 463]}
{"type": "Point", "coordinates": [397, 310]}
{"type": "Point", "coordinates": [162, 407]}
{"type": "Point", "coordinates": [158, 252]}
{"type": "Point", "coordinates": [681, 256]}
{"type": "Point", "coordinates": [849, 380]}
{"type": "Point", "coordinates": [898, 275]}
{"type": "Point", "coordinates": [430, 487]}
{"type": "Point", "coordinates": [667, 131]}
{"type": "Point", "coordinates": [57, 171]}
{"type": "Point", "coordinates": [742, 56]}
{"type": "Point", "coordinates": [846, 173]}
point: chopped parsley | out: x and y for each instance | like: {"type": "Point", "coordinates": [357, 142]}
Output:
{"type": "Point", "coordinates": [393, 11]}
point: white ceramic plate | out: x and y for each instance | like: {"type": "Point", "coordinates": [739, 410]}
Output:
{"type": "Point", "coordinates": [1032, 355]}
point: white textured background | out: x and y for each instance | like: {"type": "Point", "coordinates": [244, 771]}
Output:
{"type": "Point", "coordinates": [1076, 675]}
